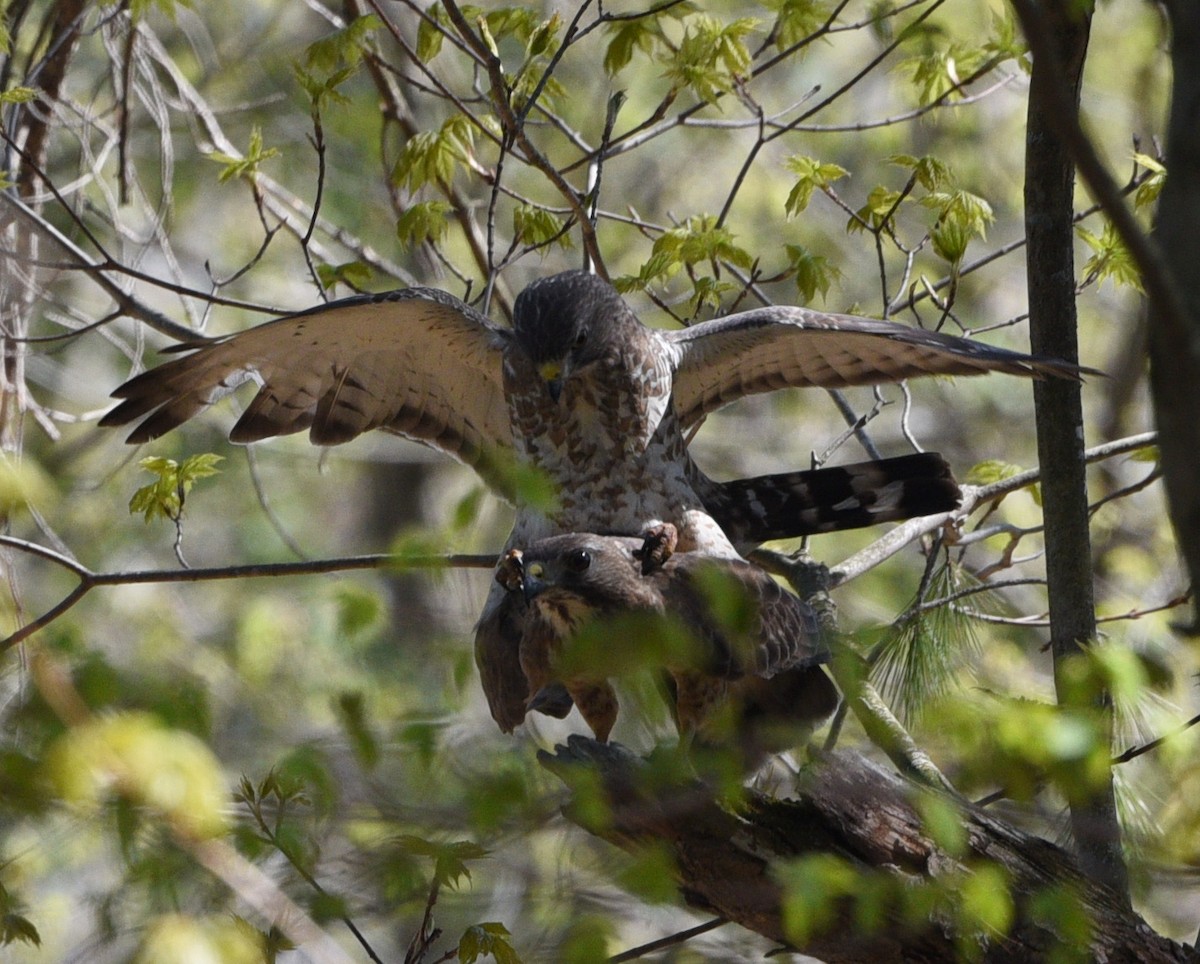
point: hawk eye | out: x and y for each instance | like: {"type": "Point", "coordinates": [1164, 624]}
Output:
{"type": "Point", "coordinates": [577, 560]}
{"type": "Point", "coordinates": [580, 338]}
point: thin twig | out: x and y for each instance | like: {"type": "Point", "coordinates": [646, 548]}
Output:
{"type": "Point", "coordinates": [89, 580]}
{"type": "Point", "coordinates": [673, 940]}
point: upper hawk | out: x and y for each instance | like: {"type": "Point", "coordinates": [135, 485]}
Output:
{"type": "Point", "coordinates": [581, 389]}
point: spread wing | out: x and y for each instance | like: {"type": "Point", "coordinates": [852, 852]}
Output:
{"type": "Point", "coordinates": [757, 351]}
{"type": "Point", "coordinates": [417, 362]}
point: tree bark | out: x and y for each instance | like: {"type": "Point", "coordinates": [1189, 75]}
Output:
{"type": "Point", "coordinates": [1049, 207]}
{"type": "Point", "coordinates": [849, 807]}
{"type": "Point", "coordinates": [1175, 343]}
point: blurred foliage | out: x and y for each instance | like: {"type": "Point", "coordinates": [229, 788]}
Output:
{"type": "Point", "coordinates": [226, 161]}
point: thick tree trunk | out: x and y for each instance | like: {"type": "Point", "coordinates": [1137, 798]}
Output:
{"type": "Point", "coordinates": [1049, 207]}
{"type": "Point", "coordinates": [850, 808]}
{"type": "Point", "coordinates": [1175, 343]}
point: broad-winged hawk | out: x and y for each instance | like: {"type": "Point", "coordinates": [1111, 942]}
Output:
{"type": "Point", "coordinates": [754, 661]}
{"type": "Point", "coordinates": [579, 388]}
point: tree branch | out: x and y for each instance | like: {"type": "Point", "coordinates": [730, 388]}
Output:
{"type": "Point", "coordinates": [731, 861]}
{"type": "Point", "coordinates": [89, 580]}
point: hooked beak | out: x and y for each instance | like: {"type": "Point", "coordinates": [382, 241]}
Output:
{"type": "Point", "coordinates": [552, 374]}
{"type": "Point", "coordinates": [532, 584]}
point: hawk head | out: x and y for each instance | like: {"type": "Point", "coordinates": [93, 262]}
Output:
{"type": "Point", "coordinates": [569, 321]}
{"type": "Point", "coordinates": [571, 577]}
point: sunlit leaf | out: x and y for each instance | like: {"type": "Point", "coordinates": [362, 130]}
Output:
{"type": "Point", "coordinates": [1110, 258]}
{"type": "Point", "coordinates": [796, 20]}
{"type": "Point", "coordinates": [135, 755]}
{"type": "Point", "coordinates": [165, 497]}
{"type": "Point", "coordinates": [248, 164]}
{"type": "Point", "coordinates": [711, 57]}
{"type": "Point", "coordinates": [1148, 191]}
{"type": "Point", "coordinates": [172, 938]}
{"type": "Point", "coordinates": [812, 175]}
{"type": "Point", "coordinates": [344, 46]}
{"type": "Point", "coordinates": [536, 226]}
{"type": "Point", "coordinates": [813, 272]}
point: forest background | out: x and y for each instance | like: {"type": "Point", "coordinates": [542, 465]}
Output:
{"type": "Point", "coordinates": [210, 166]}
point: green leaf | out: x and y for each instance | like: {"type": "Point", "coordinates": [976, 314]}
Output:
{"type": "Point", "coordinates": [644, 34]}
{"type": "Point", "coordinates": [813, 272]}
{"type": "Point", "coordinates": [543, 36]}
{"type": "Point", "coordinates": [488, 939]}
{"type": "Point", "coordinates": [698, 240]}
{"type": "Point", "coordinates": [962, 216]}
{"type": "Point", "coordinates": [18, 95]}
{"type": "Point", "coordinates": [536, 227]}
{"type": "Point", "coordinates": [24, 486]}
{"type": "Point", "coordinates": [628, 36]}
{"type": "Point", "coordinates": [938, 73]}
{"type": "Point", "coordinates": [1110, 258]}
{"type": "Point", "coordinates": [588, 940]}
{"type": "Point", "coordinates": [813, 175]}
{"type": "Point", "coordinates": [932, 173]}
{"type": "Point", "coordinates": [1147, 453]}
{"type": "Point", "coordinates": [985, 903]}
{"type": "Point", "coordinates": [169, 770]}
{"type": "Point", "coordinates": [430, 157]}
{"type": "Point", "coordinates": [466, 510]}
{"type": "Point", "coordinates": [1007, 42]}
{"type": "Point", "coordinates": [711, 57]}
{"type": "Point", "coordinates": [322, 89]}
{"type": "Point", "coordinates": [14, 926]}
{"type": "Point", "coordinates": [651, 875]}
{"type": "Point", "coordinates": [422, 222]}
{"type": "Point", "coordinates": [139, 8]}
{"type": "Point", "coordinates": [246, 166]}
{"type": "Point", "coordinates": [181, 937]}
{"type": "Point", "coordinates": [353, 274]}
{"type": "Point", "coordinates": [1148, 191]}
{"type": "Point", "coordinates": [795, 20]}
{"type": "Point", "coordinates": [879, 209]}
{"type": "Point", "coordinates": [165, 496]}
{"type": "Point", "coordinates": [358, 609]}
{"type": "Point", "coordinates": [449, 859]}
{"type": "Point", "coordinates": [429, 33]}
{"type": "Point", "coordinates": [813, 888]}
{"type": "Point", "coordinates": [352, 712]}
{"type": "Point", "coordinates": [342, 47]}
{"type": "Point", "coordinates": [991, 470]}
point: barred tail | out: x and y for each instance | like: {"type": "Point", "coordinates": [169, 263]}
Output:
{"type": "Point", "coordinates": [792, 504]}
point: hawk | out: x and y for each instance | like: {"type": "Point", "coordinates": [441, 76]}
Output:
{"type": "Point", "coordinates": [582, 390]}
{"type": "Point", "coordinates": [754, 662]}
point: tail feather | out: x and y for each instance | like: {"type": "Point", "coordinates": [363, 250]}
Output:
{"type": "Point", "coordinates": [792, 504]}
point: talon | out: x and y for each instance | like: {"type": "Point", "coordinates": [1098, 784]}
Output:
{"type": "Point", "coordinates": [658, 546]}
{"type": "Point", "coordinates": [510, 572]}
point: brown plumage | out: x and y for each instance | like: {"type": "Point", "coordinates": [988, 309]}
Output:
{"type": "Point", "coordinates": [755, 650]}
{"type": "Point", "coordinates": [580, 389]}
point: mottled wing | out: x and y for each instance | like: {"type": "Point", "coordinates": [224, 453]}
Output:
{"type": "Point", "coordinates": [418, 363]}
{"type": "Point", "coordinates": [789, 630]}
{"type": "Point", "coordinates": [773, 632]}
{"type": "Point", "coordinates": [502, 631]}
{"type": "Point", "coordinates": [758, 351]}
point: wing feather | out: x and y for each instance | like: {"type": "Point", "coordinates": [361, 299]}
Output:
{"type": "Point", "coordinates": [758, 351]}
{"type": "Point", "coordinates": [784, 633]}
{"type": "Point", "coordinates": [418, 362]}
